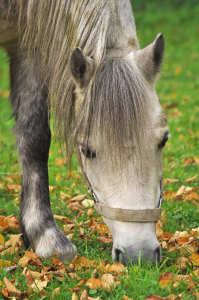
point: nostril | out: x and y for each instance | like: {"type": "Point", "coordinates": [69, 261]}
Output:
{"type": "Point", "coordinates": [117, 255]}
{"type": "Point", "coordinates": [157, 254]}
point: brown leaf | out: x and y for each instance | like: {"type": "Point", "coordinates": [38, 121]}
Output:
{"type": "Point", "coordinates": [10, 290]}
{"type": "Point", "coordinates": [165, 279]}
{"type": "Point", "coordinates": [194, 259]}
{"type": "Point", "coordinates": [56, 292]}
{"type": "Point", "coordinates": [84, 295]}
{"type": "Point", "coordinates": [38, 285]}
{"type": "Point", "coordinates": [181, 190]}
{"type": "Point", "coordinates": [127, 298]}
{"type": "Point", "coordinates": [190, 131]}
{"type": "Point", "coordinates": [154, 297]}
{"type": "Point", "coordinates": [60, 161]}
{"type": "Point", "coordinates": [170, 180]}
{"type": "Point", "coordinates": [82, 261]}
{"type": "Point", "coordinates": [117, 268]}
{"type": "Point", "coordinates": [191, 179]}
{"type": "Point", "coordinates": [93, 283]}
{"type": "Point", "coordinates": [13, 187]}
{"type": "Point", "coordinates": [105, 240]}
{"type": "Point", "coordinates": [74, 296]}
{"type": "Point", "coordinates": [79, 197]}
{"type": "Point", "coordinates": [64, 196]}
{"type": "Point", "coordinates": [107, 282]}
{"type": "Point", "coordinates": [29, 258]}
{"type": "Point", "coordinates": [63, 219]}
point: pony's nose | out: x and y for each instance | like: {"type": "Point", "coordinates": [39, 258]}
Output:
{"type": "Point", "coordinates": [125, 255]}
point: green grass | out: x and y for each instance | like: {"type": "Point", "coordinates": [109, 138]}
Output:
{"type": "Point", "coordinates": [178, 85]}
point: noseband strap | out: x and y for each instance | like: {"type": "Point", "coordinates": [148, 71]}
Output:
{"type": "Point", "coordinates": [128, 215]}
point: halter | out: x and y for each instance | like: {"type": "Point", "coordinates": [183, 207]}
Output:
{"type": "Point", "coordinates": [124, 215]}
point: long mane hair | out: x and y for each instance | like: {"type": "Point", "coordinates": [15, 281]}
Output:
{"type": "Point", "coordinates": [116, 94]}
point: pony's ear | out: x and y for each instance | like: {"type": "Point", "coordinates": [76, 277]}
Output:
{"type": "Point", "coordinates": [149, 59]}
{"type": "Point", "coordinates": [81, 67]}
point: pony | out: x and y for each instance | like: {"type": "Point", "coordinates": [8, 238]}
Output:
{"type": "Point", "coordinates": [82, 58]}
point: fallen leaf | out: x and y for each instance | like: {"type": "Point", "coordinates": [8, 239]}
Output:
{"type": "Point", "coordinates": [191, 179]}
{"type": "Point", "coordinates": [2, 239]}
{"type": "Point", "coordinates": [154, 297]}
{"type": "Point", "coordinates": [64, 196]}
{"type": "Point", "coordinates": [87, 203]}
{"type": "Point", "coordinates": [93, 283]}
{"type": "Point", "coordinates": [13, 187]}
{"type": "Point", "coordinates": [165, 279]}
{"type": "Point", "coordinates": [107, 282]}
{"type": "Point", "coordinates": [127, 298]}
{"type": "Point", "coordinates": [90, 212]}
{"type": "Point", "coordinates": [11, 289]}
{"type": "Point", "coordinates": [181, 190]}
{"type": "Point", "coordinates": [169, 180]}
{"type": "Point", "coordinates": [15, 240]}
{"type": "Point", "coordinates": [56, 292]}
{"type": "Point", "coordinates": [194, 259]}
{"type": "Point", "coordinates": [38, 285]}
{"type": "Point", "coordinates": [74, 296]}
{"type": "Point", "coordinates": [84, 295]}
{"type": "Point", "coordinates": [79, 197]}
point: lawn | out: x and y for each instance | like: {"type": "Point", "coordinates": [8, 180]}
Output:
{"type": "Point", "coordinates": [177, 276]}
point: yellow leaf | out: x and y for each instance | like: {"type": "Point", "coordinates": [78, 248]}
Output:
{"type": "Point", "coordinates": [2, 239]}
{"type": "Point", "coordinates": [177, 71]}
{"type": "Point", "coordinates": [93, 283]}
{"type": "Point", "coordinates": [38, 285]}
{"type": "Point", "coordinates": [56, 292]}
{"type": "Point", "coordinates": [64, 196]}
{"type": "Point", "coordinates": [87, 202]}
{"type": "Point", "coordinates": [58, 177]}
{"type": "Point", "coordinates": [74, 296]}
{"type": "Point", "coordinates": [195, 259]}
{"type": "Point", "coordinates": [191, 179]}
{"type": "Point", "coordinates": [107, 282]}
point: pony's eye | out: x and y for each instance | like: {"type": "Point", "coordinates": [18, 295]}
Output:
{"type": "Point", "coordinates": [87, 152]}
{"type": "Point", "coordinates": [163, 142]}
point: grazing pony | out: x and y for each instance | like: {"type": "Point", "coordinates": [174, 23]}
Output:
{"type": "Point", "coordinates": [82, 58]}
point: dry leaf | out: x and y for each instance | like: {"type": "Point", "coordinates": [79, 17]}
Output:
{"type": "Point", "coordinates": [194, 259]}
{"type": "Point", "coordinates": [87, 203]}
{"type": "Point", "coordinates": [64, 196]}
{"type": "Point", "coordinates": [90, 212]}
{"type": "Point", "coordinates": [107, 282]}
{"type": "Point", "coordinates": [154, 297]}
{"type": "Point", "coordinates": [93, 283]}
{"type": "Point", "coordinates": [38, 285]}
{"type": "Point", "coordinates": [56, 292]}
{"type": "Point", "coordinates": [181, 190]}
{"type": "Point", "coordinates": [165, 279]}
{"type": "Point", "coordinates": [79, 198]}
{"type": "Point", "coordinates": [74, 296]}
{"type": "Point", "coordinates": [11, 289]}
{"type": "Point", "coordinates": [2, 240]}
{"type": "Point", "coordinates": [191, 179]}
{"type": "Point", "coordinates": [169, 180]}
{"type": "Point", "coordinates": [84, 295]}
{"type": "Point", "coordinates": [127, 298]}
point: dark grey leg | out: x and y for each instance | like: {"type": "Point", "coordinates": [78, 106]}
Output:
{"type": "Point", "coordinates": [33, 141]}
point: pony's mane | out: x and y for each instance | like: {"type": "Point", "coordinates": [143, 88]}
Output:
{"type": "Point", "coordinates": [52, 29]}
{"type": "Point", "coordinates": [116, 105]}
{"type": "Point", "coordinates": [115, 96]}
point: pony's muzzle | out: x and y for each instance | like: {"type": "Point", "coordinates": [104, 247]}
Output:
{"type": "Point", "coordinates": [129, 255]}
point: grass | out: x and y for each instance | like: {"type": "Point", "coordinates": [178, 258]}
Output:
{"type": "Point", "coordinates": [178, 90]}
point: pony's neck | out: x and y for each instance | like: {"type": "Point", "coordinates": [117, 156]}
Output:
{"type": "Point", "coordinates": [122, 31]}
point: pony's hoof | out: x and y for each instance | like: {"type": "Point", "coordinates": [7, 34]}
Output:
{"type": "Point", "coordinates": [54, 241]}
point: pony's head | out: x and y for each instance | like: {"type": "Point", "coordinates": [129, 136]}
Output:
{"type": "Point", "coordinates": [120, 131]}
